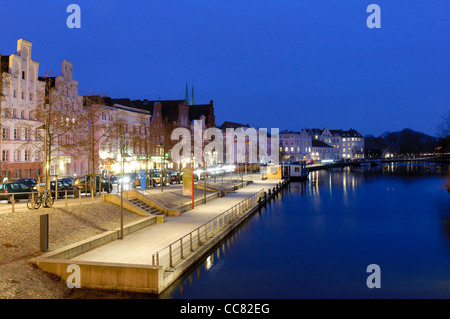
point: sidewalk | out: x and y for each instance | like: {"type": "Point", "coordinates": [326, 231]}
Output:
{"type": "Point", "coordinates": [22, 205]}
{"type": "Point", "coordinates": [138, 247]}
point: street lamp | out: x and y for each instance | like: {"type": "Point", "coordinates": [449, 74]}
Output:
{"type": "Point", "coordinates": [122, 155]}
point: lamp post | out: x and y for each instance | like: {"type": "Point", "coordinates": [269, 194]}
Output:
{"type": "Point", "coordinates": [122, 157]}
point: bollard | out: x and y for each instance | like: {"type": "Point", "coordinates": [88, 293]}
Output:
{"type": "Point", "coordinates": [79, 196]}
{"type": "Point", "coordinates": [65, 197]}
{"type": "Point", "coordinates": [170, 255]}
{"type": "Point", "coordinates": [44, 232]}
{"type": "Point", "coordinates": [92, 195]}
{"type": "Point", "coordinates": [13, 201]}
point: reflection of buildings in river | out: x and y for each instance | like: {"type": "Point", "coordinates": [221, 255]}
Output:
{"type": "Point", "coordinates": [344, 178]}
{"type": "Point", "coordinates": [209, 262]}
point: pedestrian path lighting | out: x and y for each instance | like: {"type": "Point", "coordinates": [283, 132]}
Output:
{"type": "Point", "coordinates": [122, 155]}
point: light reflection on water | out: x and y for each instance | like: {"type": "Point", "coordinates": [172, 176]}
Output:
{"type": "Point", "coordinates": [345, 219]}
{"type": "Point", "coordinates": [316, 239]}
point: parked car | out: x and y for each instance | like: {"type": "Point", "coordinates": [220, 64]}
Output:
{"type": "Point", "coordinates": [68, 180]}
{"type": "Point", "coordinates": [175, 176]}
{"type": "Point", "coordinates": [62, 187]}
{"type": "Point", "coordinates": [30, 182]}
{"type": "Point", "coordinates": [20, 191]}
{"type": "Point", "coordinates": [156, 177]}
{"type": "Point", "coordinates": [113, 178]}
{"type": "Point", "coordinates": [84, 184]}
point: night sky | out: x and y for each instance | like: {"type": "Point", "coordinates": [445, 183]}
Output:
{"type": "Point", "coordinates": [269, 63]}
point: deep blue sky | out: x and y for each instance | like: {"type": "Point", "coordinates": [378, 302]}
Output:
{"type": "Point", "coordinates": [270, 63]}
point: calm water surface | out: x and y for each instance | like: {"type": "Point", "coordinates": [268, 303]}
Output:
{"type": "Point", "coordinates": [317, 239]}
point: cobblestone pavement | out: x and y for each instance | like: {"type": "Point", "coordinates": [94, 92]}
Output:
{"type": "Point", "coordinates": [19, 242]}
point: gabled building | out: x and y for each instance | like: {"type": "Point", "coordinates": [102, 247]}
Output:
{"type": "Point", "coordinates": [347, 144]}
{"type": "Point", "coordinates": [321, 151]}
{"type": "Point", "coordinates": [65, 102]}
{"type": "Point", "coordinates": [21, 93]}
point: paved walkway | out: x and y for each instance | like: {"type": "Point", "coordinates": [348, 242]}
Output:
{"type": "Point", "coordinates": [138, 247]}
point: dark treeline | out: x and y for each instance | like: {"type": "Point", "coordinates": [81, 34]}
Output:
{"type": "Point", "coordinates": [409, 141]}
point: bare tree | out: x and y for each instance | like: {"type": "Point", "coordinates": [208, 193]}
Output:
{"type": "Point", "coordinates": [92, 127]}
{"type": "Point", "coordinates": [55, 135]}
{"type": "Point", "coordinates": [444, 127]}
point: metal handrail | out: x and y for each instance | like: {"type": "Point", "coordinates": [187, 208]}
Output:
{"type": "Point", "coordinates": [179, 249]}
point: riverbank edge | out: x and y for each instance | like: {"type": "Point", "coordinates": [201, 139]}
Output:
{"type": "Point", "coordinates": [186, 264]}
{"type": "Point", "coordinates": [139, 278]}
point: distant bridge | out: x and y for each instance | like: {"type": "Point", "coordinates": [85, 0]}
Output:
{"type": "Point", "coordinates": [374, 162]}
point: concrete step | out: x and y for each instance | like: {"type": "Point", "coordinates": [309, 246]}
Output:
{"type": "Point", "coordinates": [145, 207]}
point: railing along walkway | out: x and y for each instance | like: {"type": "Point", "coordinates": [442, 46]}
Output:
{"type": "Point", "coordinates": [187, 244]}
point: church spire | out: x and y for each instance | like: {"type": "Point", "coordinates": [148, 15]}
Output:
{"type": "Point", "coordinates": [192, 96]}
{"type": "Point", "coordinates": [186, 95]}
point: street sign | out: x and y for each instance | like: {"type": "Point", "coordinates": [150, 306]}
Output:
{"type": "Point", "coordinates": [143, 180]}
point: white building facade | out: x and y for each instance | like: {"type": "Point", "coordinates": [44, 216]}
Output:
{"type": "Point", "coordinates": [21, 93]}
{"type": "Point", "coordinates": [295, 146]}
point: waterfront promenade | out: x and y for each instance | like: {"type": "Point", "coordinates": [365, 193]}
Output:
{"type": "Point", "coordinates": [138, 247]}
{"type": "Point", "coordinates": [107, 265]}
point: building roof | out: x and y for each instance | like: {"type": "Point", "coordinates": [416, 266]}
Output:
{"type": "Point", "coordinates": [316, 143]}
{"type": "Point", "coordinates": [289, 132]}
{"type": "Point", "coordinates": [196, 111]}
{"type": "Point", "coordinates": [351, 133]}
{"type": "Point", "coordinates": [117, 103]}
{"type": "Point", "coordinates": [233, 125]}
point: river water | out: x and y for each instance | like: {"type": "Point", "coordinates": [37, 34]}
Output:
{"type": "Point", "coordinates": [317, 238]}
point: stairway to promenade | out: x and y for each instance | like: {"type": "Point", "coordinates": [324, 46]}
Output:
{"type": "Point", "coordinates": [145, 207]}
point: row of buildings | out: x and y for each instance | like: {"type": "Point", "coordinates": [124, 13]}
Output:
{"type": "Point", "coordinates": [321, 144]}
{"type": "Point", "coordinates": [86, 133]}
{"type": "Point", "coordinates": [95, 133]}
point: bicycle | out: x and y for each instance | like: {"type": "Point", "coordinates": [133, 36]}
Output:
{"type": "Point", "coordinates": [45, 199]}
